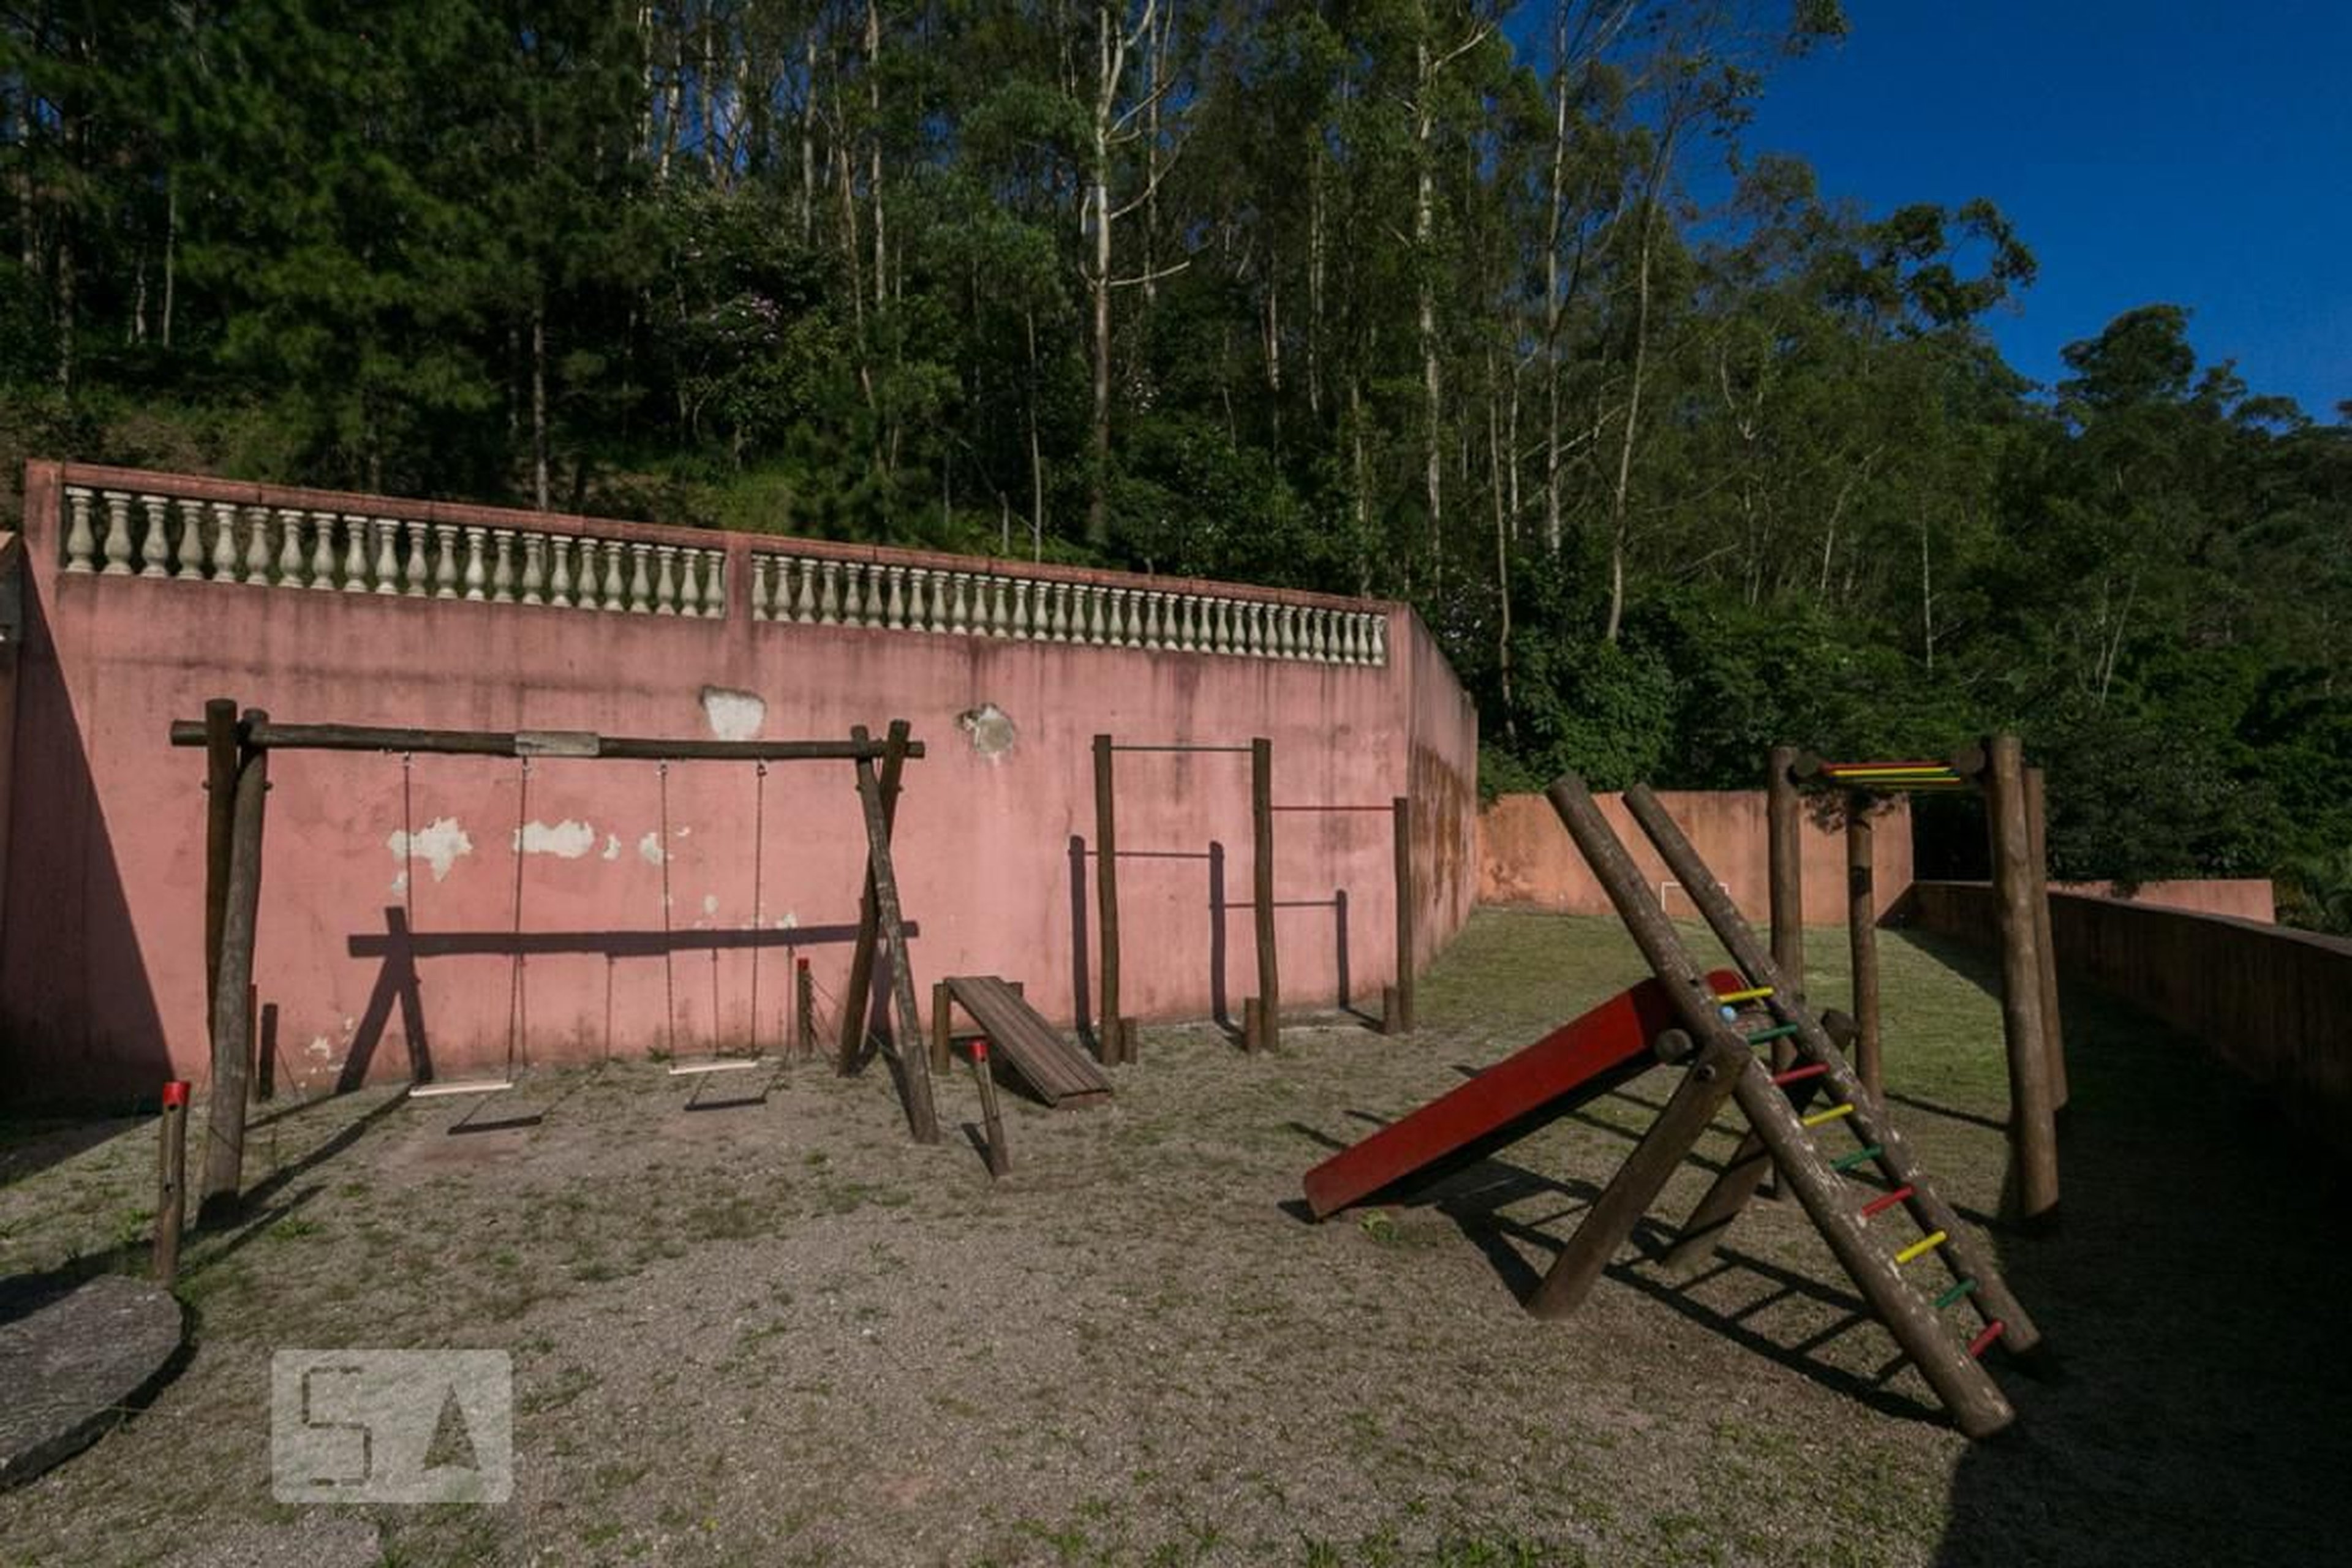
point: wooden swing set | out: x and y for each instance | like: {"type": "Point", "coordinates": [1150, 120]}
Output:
{"type": "Point", "coordinates": [237, 749]}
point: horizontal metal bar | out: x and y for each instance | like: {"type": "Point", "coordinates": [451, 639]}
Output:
{"type": "Point", "coordinates": [268, 736]}
{"type": "Point", "coordinates": [1092, 853]}
{"type": "Point", "coordinates": [1242, 750]}
{"type": "Point", "coordinates": [1383, 810]}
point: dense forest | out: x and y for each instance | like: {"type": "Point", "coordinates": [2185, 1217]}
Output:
{"type": "Point", "coordinates": [1483, 306]}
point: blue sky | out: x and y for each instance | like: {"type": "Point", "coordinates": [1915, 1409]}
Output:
{"type": "Point", "coordinates": [2197, 154]}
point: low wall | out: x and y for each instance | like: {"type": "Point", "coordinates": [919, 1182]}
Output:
{"type": "Point", "coordinates": [2240, 898]}
{"type": "Point", "coordinates": [617, 907]}
{"type": "Point", "coordinates": [1525, 857]}
{"type": "Point", "coordinates": [2273, 1004]}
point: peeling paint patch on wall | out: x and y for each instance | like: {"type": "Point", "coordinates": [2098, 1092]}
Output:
{"type": "Point", "coordinates": [991, 728]}
{"type": "Point", "coordinates": [611, 846]}
{"type": "Point", "coordinates": [566, 840]}
{"type": "Point", "coordinates": [733, 715]}
{"type": "Point", "coordinates": [650, 847]}
{"type": "Point", "coordinates": [439, 845]}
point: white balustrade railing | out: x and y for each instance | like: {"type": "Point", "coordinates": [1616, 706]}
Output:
{"type": "Point", "coordinates": [892, 595]}
{"type": "Point", "coordinates": [121, 533]}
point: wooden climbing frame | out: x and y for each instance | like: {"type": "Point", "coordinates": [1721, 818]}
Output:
{"type": "Point", "coordinates": [1724, 1030]}
{"type": "Point", "coordinates": [237, 749]}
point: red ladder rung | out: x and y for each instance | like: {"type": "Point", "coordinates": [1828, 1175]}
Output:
{"type": "Point", "coordinates": [1799, 1075]}
{"type": "Point", "coordinates": [1985, 1337]}
{"type": "Point", "coordinates": [1880, 1204]}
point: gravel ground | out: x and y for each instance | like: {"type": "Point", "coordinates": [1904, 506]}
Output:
{"type": "Point", "coordinates": [777, 1332]}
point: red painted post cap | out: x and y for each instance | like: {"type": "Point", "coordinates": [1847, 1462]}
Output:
{"type": "Point", "coordinates": [980, 1050]}
{"type": "Point", "coordinates": [804, 963]}
{"type": "Point", "coordinates": [175, 1092]}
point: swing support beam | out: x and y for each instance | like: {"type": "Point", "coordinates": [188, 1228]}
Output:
{"type": "Point", "coordinates": [238, 780]}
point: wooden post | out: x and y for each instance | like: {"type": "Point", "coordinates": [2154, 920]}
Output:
{"type": "Point", "coordinates": [1400, 1015]}
{"type": "Point", "coordinates": [2033, 1127]}
{"type": "Point", "coordinates": [1269, 979]}
{"type": "Point", "coordinates": [914, 1062]}
{"type": "Point", "coordinates": [1784, 837]}
{"type": "Point", "coordinates": [1862, 935]}
{"type": "Point", "coordinates": [2054, 1023]}
{"type": "Point", "coordinates": [1636, 1186]}
{"type": "Point", "coordinates": [171, 1181]}
{"type": "Point", "coordinates": [1110, 1040]}
{"type": "Point", "coordinates": [1000, 1159]}
{"type": "Point", "coordinates": [857, 1002]}
{"type": "Point", "coordinates": [220, 814]}
{"type": "Point", "coordinates": [803, 1010]}
{"type": "Point", "coordinates": [942, 1044]}
{"type": "Point", "coordinates": [233, 985]}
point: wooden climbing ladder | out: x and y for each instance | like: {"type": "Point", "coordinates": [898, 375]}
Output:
{"type": "Point", "coordinates": [1851, 1196]}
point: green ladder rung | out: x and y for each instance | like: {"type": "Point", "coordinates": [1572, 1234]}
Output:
{"type": "Point", "coordinates": [1966, 1285]}
{"type": "Point", "coordinates": [1779, 1032]}
{"type": "Point", "coordinates": [1848, 1162]}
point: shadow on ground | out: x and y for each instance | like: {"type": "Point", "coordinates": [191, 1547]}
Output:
{"type": "Point", "coordinates": [2196, 1294]}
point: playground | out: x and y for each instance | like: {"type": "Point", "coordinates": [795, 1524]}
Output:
{"type": "Point", "coordinates": [776, 1332]}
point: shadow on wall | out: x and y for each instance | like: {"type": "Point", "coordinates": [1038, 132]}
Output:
{"type": "Point", "coordinates": [399, 989]}
{"type": "Point", "coordinates": [69, 932]}
{"type": "Point", "coordinates": [2195, 1296]}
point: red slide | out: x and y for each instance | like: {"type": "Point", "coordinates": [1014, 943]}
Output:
{"type": "Point", "coordinates": [1515, 1095]}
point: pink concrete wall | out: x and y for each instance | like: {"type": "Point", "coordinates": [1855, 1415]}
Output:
{"type": "Point", "coordinates": [101, 990]}
{"type": "Point", "coordinates": [1525, 857]}
{"type": "Point", "coordinates": [2237, 898]}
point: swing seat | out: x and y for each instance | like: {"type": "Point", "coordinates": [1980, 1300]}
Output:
{"type": "Point", "coordinates": [715, 1064]}
{"type": "Point", "coordinates": [462, 1086]}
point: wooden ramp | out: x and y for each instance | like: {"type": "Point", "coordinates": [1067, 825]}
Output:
{"type": "Point", "coordinates": [1047, 1063]}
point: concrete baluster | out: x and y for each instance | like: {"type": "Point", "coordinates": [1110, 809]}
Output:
{"type": "Point", "coordinates": [559, 571]}
{"type": "Point", "coordinates": [257, 550]}
{"type": "Point", "coordinates": [355, 555]}
{"type": "Point", "coordinates": [416, 578]}
{"type": "Point", "coordinates": [323, 551]}
{"type": "Point", "coordinates": [189, 560]}
{"type": "Point", "coordinates": [223, 542]}
{"type": "Point", "coordinates": [117, 536]}
{"type": "Point", "coordinates": [641, 581]}
{"type": "Point", "coordinates": [1021, 626]}
{"type": "Point", "coordinates": [689, 583]}
{"type": "Point", "coordinates": [895, 615]}
{"type": "Point", "coordinates": [534, 568]}
{"type": "Point", "coordinates": [478, 574]}
{"type": "Point", "coordinates": [289, 548]}
{"type": "Point", "coordinates": [502, 571]}
{"type": "Point", "coordinates": [852, 593]}
{"type": "Point", "coordinates": [81, 544]}
{"type": "Point", "coordinates": [828, 608]}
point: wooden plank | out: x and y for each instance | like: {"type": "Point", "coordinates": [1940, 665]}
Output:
{"type": "Point", "coordinates": [220, 816]}
{"type": "Point", "coordinates": [511, 742]}
{"type": "Point", "coordinates": [1048, 1061]}
{"type": "Point", "coordinates": [171, 1182]}
{"type": "Point", "coordinates": [2053, 1031]}
{"type": "Point", "coordinates": [906, 1039]}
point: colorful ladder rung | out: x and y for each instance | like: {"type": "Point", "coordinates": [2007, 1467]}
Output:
{"type": "Point", "coordinates": [1778, 1032]}
{"type": "Point", "coordinates": [1924, 1245]}
{"type": "Point", "coordinates": [1799, 1074]}
{"type": "Point", "coordinates": [1821, 1117]}
{"type": "Point", "coordinates": [1753, 994]}
{"type": "Point", "coordinates": [1964, 1286]}
{"type": "Point", "coordinates": [1880, 1204]}
{"type": "Point", "coordinates": [1985, 1337]}
{"type": "Point", "coordinates": [1848, 1162]}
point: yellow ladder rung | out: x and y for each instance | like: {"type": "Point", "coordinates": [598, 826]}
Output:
{"type": "Point", "coordinates": [1832, 1114]}
{"type": "Point", "coordinates": [1927, 1243]}
{"type": "Point", "coordinates": [1753, 994]}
